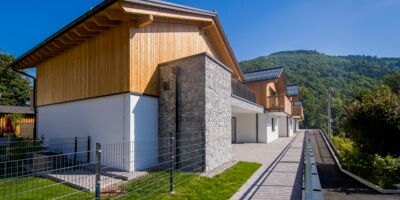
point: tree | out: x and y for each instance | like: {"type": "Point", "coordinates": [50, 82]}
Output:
{"type": "Point", "coordinates": [393, 81]}
{"type": "Point", "coordinates": [372, 121]}
{"type": "Point", "coordinates": [14, 89]}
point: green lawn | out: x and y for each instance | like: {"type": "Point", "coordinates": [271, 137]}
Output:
{"type": "Point", "coordinates": [38, 188]}
{"type": "Point", "coordinates": [191, 186]}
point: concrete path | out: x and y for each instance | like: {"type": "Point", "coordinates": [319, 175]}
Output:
{"type": "Point", "coordinates": [280, 176]}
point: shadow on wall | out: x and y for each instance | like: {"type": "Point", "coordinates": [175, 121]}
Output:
{"type": "Point", "coordinates": [145, 131]}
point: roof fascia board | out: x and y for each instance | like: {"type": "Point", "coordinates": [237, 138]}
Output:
{"type": "Point", "coordinates": [68, 27]}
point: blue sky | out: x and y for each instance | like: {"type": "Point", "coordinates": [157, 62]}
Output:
{"type": "Point", "coordinates": [254, 28]}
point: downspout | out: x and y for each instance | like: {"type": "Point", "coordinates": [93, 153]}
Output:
{"type": "Point", "coordinates": [34, 99]}
{"type": "Point", "coordinates": [177, 134]}
{"type": "Point", "coordinates": [256, 128]}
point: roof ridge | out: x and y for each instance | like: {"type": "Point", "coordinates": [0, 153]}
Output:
{"type": "Point", "coordinates": [267, 69]}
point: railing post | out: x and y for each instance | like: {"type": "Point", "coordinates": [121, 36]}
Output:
{"type": "Point", "coordinates": [88, 150]}
{"type": "Point", "coordinates": [75, 149]}
{"type": "Point", "coordinates": [172, 166]}
{"type": "Point", "coordinates": [98, 162]}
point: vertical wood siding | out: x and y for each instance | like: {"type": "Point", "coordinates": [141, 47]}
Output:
{"type": "Point", "coordinates": [99, 66]}
{"type": "Point", "coordinates": [122, 59]}
{"type": "Point", "coordinates": [158, 43]}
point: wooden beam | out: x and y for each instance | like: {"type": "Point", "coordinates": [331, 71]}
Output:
{"type": "Point", "coordinates": [117, 15]}
{"type": "Point", "coordinates": [143, 21]}
{"type": "Point", "coordinates": [104, 21]}
{"type": "Point", "coordinates": [26, 61]}
{"type": "Point", "coordinates": [54, 48]}
{"type": "Point", "coordinates": [51, 50]}
{"type": "Point", "coordinates": [83, 31]}
{"type": "Point", "coordinates": [92, 26]}
{"type": "Point", "coordinates": [67, 41]}
{"type": "Point", "coordinates": [206, 26]}
{"type": "Point", "coordinates": [73, 34]}
{"type": "Point", "coordinates": [59, 43]}
{"type": "Point", "coordinates": [138, 9]}
{"type": "Point", "coordinates": [35, 56]}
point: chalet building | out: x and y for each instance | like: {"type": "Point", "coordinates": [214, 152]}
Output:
{"type": "Point", "coordinates": [271, 92]}
{"type": "Point", "coordinates": [139, 70]}
{"type": "Point", "coordinates": [297, 107]}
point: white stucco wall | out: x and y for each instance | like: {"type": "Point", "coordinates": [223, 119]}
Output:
{"type": "Point", "coordinates": [245, 127]}
{"type": "Point", "coordinates": [283, 126]}
{"type": "Point", "coordinates": [272, 135]}
{"type": "Point", "coordinates": [262, 127]}
{"type": "Point", "coordinates": [291, 126]}
{"type": "Point", "coordinates": [118, 119]}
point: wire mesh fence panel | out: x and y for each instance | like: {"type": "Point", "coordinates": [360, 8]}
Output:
{"type": "Point", "coordinates": [46, 169]}
{"type": "Point", "coordinates": [150, 169]}
{"type": "Point", "coordinates": [67, 169]}
{"type": "Point", "coordinates": [45, 176]}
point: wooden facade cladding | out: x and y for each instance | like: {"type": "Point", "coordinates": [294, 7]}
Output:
{"type": "Point", "coordinates": [116, 48]}
{"type": "Point", "coordinates": [121, 59]}
{"type": "Point", "coordinates": [158, 43]}
{"type": "Point", "coordinates": [297, 112]}
{"type": "Point", "coordinates": [272, 94]}
{"type": "Point", "coordinates": [96, 67]}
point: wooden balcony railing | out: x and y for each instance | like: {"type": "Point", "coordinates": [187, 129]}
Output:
{"type": "Point", "coordinates": [297, 112]}
{"type": "Point", "coordinates": [279, 103]}
{"type": "Point", "coordinates": [243, 91]}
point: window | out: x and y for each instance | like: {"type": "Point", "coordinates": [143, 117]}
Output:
{"type": "Point", "coordinates": [290, 123]}
{"type": "Point", "coordinates": [273, 123]}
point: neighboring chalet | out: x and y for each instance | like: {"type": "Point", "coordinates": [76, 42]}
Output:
{"type": "Point", "coordinates": [271, 92]}
{"type": "Point", "coordinates": [139, 70]}
{"type": "Point", "coordinates": [23, 126]}
{"type": "Point", "coordinates": [297, 107]}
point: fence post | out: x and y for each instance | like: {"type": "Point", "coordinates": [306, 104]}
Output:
{"type": "Point", "coordinates": [88, 150]}
{"type": "Point", "coordinates": [98, 162]}
{"type": "Point", "coordinates": [75, 149]}
{"type": "Point", "coordinates": [172, 166]}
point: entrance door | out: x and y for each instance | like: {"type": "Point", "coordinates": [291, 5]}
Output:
{"type": "Point", "coordinates": [233, 129]}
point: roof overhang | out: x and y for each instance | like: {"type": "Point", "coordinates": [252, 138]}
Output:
{"type": "Point", "coordinates": [110, 13]}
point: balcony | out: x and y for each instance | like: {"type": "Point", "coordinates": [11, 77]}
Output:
{"type": "Point", "coordinates": [243, 91]}
{"type": "Point", "coordinates": [279, 103]}
{"type": "Point", "coordinates": [297, 110]}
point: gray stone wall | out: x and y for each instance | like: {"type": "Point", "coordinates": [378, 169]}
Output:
{"type": "Point", "coordinates": [217, 115]}
{"type": "Point", "coordinates": [204, 115]}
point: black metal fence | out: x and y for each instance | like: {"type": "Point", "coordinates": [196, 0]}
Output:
{"type": "Point", "coordinates": [243, 91]}
{"type": "Point", "coordinates": [143, 169]}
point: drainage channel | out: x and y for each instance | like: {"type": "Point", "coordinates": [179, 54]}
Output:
{"type": "Point", "coordinates": [335, 184]}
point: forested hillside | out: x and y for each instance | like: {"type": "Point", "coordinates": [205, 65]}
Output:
{"type": "Point", "coordinates": [314, 72]}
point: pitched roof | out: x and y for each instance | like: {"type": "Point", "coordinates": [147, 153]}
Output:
{"type": "Point", "coordinates": [32, 57]}
{"type": "Point", "coordinates": [16, 109]}
{"type": "Point", "coordinates": [265, 74]}
{"type": "Point", "coordinates": [292, 90]}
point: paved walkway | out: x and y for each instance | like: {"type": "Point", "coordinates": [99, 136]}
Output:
{"type": "Point", "coordinates": [280, 176]}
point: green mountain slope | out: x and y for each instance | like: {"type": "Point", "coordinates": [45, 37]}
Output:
{"type": "Point", "coordinates": [314, 72]}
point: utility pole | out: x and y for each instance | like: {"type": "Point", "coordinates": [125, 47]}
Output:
{"type": "Point", "coordinates": [329, 111]}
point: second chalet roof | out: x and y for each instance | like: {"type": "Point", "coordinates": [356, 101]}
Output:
{"type": "Point", "coordinates": [265, 74]}
{"type": "Point", "coordinates": [292, 90]}
{"type": "Point", "coordinates": [15, 109]}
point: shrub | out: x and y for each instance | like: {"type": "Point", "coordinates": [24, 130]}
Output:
{"type": "Point", "coordinates": [383, 171]}
{"type": "Point", "coordinates": [372, 121]}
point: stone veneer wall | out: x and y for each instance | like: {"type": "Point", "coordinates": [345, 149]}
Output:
{"type": "Point", "coordinates": [204, 92]}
